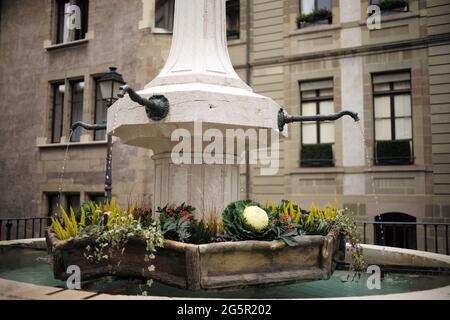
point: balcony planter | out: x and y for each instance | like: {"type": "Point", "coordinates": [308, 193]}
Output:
{"type": "Point", "coordinates": [317, 155]}
{"type": "Point", "coordinates": [233, 34]}
{"type": "Point", "coordinates": [320, 16]}
{"type": "Point", "coordinates": [214, 266]}
{"type": "Point", "coordinates": [393, 5]}
{"type": "Point", "coordinates": [395, 152]}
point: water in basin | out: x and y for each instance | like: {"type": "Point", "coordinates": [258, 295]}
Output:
{"type": "Point", "coordinates": [30, 266]}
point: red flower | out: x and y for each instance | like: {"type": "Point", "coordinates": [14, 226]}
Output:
{"type": "Point", "coordinates": [170, 211]}
{"type": "Point", "coordinates": [185, 213]}
{"type": "Point", "coordinates": [187, 220]}
{"type": "Point", "coordinates": [275, 221]}
{"type": "Point", "coordinates": [285, 218]}
{"type": "Point", "coordinates": [290, 228]}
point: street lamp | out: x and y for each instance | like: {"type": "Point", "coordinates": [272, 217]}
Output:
{"type": "Point", "coordinates": [110, 84]}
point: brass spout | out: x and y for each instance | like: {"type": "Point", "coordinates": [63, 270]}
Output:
{"type": "Point", "coordinates": [284, 118]}
{"type": "Point", "coordinates": [157, 106]}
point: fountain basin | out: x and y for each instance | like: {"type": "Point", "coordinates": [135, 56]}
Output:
{"type": "Point", "coordinates": [25, 274]}
{"type": "Point", "coordinates": [227, 265]}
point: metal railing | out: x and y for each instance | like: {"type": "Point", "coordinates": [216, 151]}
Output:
{"type": "Point", "coordinates": [440, 231]}
{"type": "Point", "coordinates": [23, 228]}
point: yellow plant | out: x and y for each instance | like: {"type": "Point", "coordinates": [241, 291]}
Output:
{"type": "Point", "coordinates": [61, 233]}
{"type": "Point", "coordinates": [328, 213]}
{"type": "Point", "coordinates": [117, 216]}
{"type": "Point", "coordinates": [71, 228]}
{"type": "Point", "coordinates": [298, 217]}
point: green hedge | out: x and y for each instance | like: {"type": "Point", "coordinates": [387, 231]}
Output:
{"type": "Point", "coordinates": [317, 155]}
{"type": "Point", "coordinates": [393, 152]}
{"type": "Point", "coordinates": [316, 15]}
{"type": "Point", "coordinates": [233, 33]}
{"type": "Point", "coordinates": [386, 5]}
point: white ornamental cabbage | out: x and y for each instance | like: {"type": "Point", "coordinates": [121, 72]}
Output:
{"type": "Point", "coordinates": [256, 218]}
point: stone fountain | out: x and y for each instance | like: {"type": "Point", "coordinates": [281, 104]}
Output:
{"type": "Point", "coordinates": [198, 85]}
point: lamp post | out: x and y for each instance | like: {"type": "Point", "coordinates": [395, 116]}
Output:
{"type": "Point", "coordinates": [110, 84]}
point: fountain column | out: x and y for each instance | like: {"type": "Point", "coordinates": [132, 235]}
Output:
{"type": "Point", "coordinates": [202, 87]}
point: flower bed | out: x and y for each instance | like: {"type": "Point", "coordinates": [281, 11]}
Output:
{"type": "Point", "coordinates": [251, 245]}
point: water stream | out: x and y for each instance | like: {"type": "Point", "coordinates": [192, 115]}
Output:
{"type": "Point", "coordinates": [66, 158]}
{"type": "Point", "coordinates": [372, 176]}
{"type": "Point", "coordinates": [63, 169]}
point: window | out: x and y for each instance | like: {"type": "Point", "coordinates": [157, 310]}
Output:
{"type": "Point", "coordinates": [315, 12]}
{"type": "Point", "coordinates": [72, 201]}
{"type": "Point", "coordinates": [57, 112]}
{"type": "Point", "coordinates": [52, 204]}
{"type": "Point", "coordinates": [164, 12]}
{"type": "Point", "coordinates": [67, 201]}
{"type": "Point", "coordinates": [233, 19]}
{"type": "Point", "coordinates": [101, 112]}
{"type": "Point", "coordinates": [97, 197]}
{"type": "Point", "coordinates": [317, 137]}
{"type": "Point", "coordinates": [393, 118]}
{"type": "Point", "coordinates": [391, 6]}
{"type": "Point", "coordinates": [76, 107]}
{"type": "Point", "coordinates": [72, 20]}
{"type": "Point", "coordinates": [63, 30]}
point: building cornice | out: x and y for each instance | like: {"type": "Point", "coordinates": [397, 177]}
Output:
{"type": "Point", "coordinates": [362, 50]}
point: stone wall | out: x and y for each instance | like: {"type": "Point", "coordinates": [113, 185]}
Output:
{"type": "Point", "coordinates": [30, 165]}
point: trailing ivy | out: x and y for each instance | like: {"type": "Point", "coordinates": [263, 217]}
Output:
{"type": "Point", "coordinates": [344, 225]}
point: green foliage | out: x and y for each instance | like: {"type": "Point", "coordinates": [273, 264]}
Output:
{"type": "Point", "coordinates": [204, 231]}
{"type": "Point", "coordinates": [233, 33]}
{"type": "Point", "coordinates": [285, 224]}
{"type": "Point", "coordinates": [236, 226]}
{"type": "Point", "coordinates": [386, 5]}
{"type": "Point", "coordinates": [175, 221]}
{"type": "Point", "coordinates": [144, 216]}
{"type": "Point", "coordinates": [393, 152]}
{"type": "Point", "coordinates": [112, 228]}
{"type": "Point", "coordinates": [289, 220]}
{"type": "Point", "coordinates": [317, 155]}
{"type": "Point", "coordinates": [316, 15]}
{"type": "Point", "coordinates": [343, 224]}
{"type": "Point", "coordinates": [113, 238]}
{"type": "Point", "coordinates": [89, 208]}
{"type": "Point", "coordinates": [201, 233]}
{"type": "Point", "coordinates": [319, 220]}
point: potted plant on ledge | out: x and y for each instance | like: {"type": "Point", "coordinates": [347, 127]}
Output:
{"type": "Point", "coordinates": [233, 34]}
{"type": "Point", "coordinates": [393, 5]}
{"type": "Point", "coordinates": [319, 16]}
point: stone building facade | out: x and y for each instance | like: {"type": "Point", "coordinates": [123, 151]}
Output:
{"type": "Point", "coordinates": [396, 77]}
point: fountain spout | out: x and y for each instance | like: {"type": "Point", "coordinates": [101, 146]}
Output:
{"type": "Point", "coordinates": [157, 107]}
{"type": "Point", "coordinates": [284, 118]}
{"type": "Point", "coordinates": [91, 127]}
